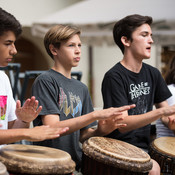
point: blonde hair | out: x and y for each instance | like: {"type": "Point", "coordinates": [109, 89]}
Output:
{"type": "Point", "coordinates": [58, 34]}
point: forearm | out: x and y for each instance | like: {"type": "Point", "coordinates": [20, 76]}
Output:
{"type": "Point", "coordinates": [137, 121]}
{"type": "Point", "coordinates": [13, 135]}
{"type": "Point", "coordinates": [166, 120]}
{"type": "Point", "coordinates": [19, 124]}
{"type": "Point", "coordinates": [74, 124]}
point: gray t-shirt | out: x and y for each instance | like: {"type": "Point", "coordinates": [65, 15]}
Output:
{"type": "Point", "coordinates": [69, 98]}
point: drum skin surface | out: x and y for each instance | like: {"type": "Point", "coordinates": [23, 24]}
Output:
{"type": "Point", "coordinates": [163, 151]}
{"type": "Point", "coordinates": [118, 154]}
{"type": "Point", "coordinates": [30, 159]}
{"type": "Point", "coordinates": [165, 145]}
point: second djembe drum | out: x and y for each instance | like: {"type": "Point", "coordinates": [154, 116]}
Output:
{"type": "Point", "coordinates": [106, 156]}
{"type": "Point", "coordinates": [29, 159]}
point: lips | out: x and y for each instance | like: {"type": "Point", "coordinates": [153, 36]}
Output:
{"type": "Point", "coordinates": [77, 59]}
{"type": "Point", "coordinates": [148, 48]}
{"type": "Point", "coordinates": [9, 59]}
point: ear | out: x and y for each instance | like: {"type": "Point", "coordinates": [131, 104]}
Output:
{"type": "Point", "coordinates": [125, 41]}
{"type": "Point", "coordinates": [53, 50]}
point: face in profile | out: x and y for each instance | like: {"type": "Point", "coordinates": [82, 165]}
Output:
{"type": "Point", "coordinates": [7, 48]}
{"type": "Point", "coordinates": [141, 42]}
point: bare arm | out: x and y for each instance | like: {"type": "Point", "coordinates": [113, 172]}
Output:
{"type": "Point", "coordinates": [77, 123]}
{"type": "Point", "coordinates": [167, 121]}
{"type": "Point", "coordinates": [164, 119]}
{"type": "Point", "coordinates": [18, 124]}
{"type": "Point", "coordinates": [34, 134]}
{"type": "Point", "coordinates": [137, 121]}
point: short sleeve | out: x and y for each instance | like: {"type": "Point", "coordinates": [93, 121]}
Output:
{"type": "Point", "coordinates": [47, 95]}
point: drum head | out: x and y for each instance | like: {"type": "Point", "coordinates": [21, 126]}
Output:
{"type": "Point", "coordinates": [117, 153]}
{"type": "Point", "coordinates": [165, 145]}
{"type": "Point", "coordinates": [31, 159]}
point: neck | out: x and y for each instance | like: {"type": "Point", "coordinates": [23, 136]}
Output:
{"type": "Point", "coordinates": [132, 64]}
{"type": "Point", "coordinates": [66, 73]}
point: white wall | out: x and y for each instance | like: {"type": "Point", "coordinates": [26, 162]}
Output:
{"type": "Point", "coordinates": [28, 11]}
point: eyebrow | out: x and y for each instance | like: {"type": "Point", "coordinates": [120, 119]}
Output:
{"type": "Point", "coordinates": [9, 41]}
{"type": "Point", "coordinates": [146, 32]}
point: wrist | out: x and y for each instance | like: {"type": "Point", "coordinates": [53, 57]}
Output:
{"type": "Point", "coordinates": [97, 132]}
{"type": "Point", "coordinates": [24, 122]}
{"type": "Point", "coordinates": [95, 115]}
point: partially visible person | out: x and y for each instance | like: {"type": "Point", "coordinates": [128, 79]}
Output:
{"type": "Point", "coordinates": [65, 100]}
{"type": "Point", "coordinates": [14, 116]}
{"type": "Point", "coordinates": [162, 127]}
{"type": "Point", "coordinates": [131, 81]}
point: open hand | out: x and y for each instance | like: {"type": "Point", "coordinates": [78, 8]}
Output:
{"type": "Point", "coordinates": [29, 111]}
{"type": "Point", "coordinates": [40, 133]}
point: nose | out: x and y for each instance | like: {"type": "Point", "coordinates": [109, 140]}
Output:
{"type": "Point", "coordinates": [151, 40]}
{"type": "Point", "coordinates": [78, 49]}
{"type": "Point", "coordinates": [13, 50]}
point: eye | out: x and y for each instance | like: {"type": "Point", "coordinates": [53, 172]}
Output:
{"type": "Point", "coordinates": [71, 45]}
{"type": "Point", "coordinates": [79, 45]}
{"type": "Point", "coordinates": [7, 44]}
{"type": "Point", "coordinates": [144, 35]}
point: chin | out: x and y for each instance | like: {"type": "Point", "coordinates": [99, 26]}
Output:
{"type": "Point", "coordinates": [147, 57]}
{"type": "Point", "coordinates": [4, 65]}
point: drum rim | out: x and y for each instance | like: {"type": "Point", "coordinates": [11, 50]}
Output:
{"type": "Point", "coordinates": [158, 148]}
{"type": "Point", "coordinates": [16, 165]}
{"type": "Point", "coordinates": [127, 164]}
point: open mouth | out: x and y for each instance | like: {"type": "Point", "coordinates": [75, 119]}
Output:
{"type": "Point", "coordinates": [148, 48]}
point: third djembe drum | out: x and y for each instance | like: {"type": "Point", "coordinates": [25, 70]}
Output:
{"type": "Point", "coordinates": [163, 151]}
{"type": "Point", "coordinates": [106, 156]}
{"type": "Point", "coordinates": [29, 159]}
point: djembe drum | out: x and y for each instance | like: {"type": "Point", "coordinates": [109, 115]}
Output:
{"type": "Point", "coordinates": [163, 151]}
{"type": "Point", "coordinates": [28, 159]}
{"type": "Point", "coordinates": [106, 156]}
{"type": "Point", "coordinates": [3, 169]}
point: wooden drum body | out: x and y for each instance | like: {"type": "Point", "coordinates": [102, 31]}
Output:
{"type": "Point", "coordinates": [29, 159]}
{"type": "Point", "coordinates": [106, 156]}
{"type": "Point", "coordinates": [3, 169]}
{"type": "Point", "coordinates": [163, 151]}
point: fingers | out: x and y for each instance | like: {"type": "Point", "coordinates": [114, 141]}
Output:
{"type": "Point", "coordinates": [63, 130]}
{"type": "Point", "coordinates": [50, 131]}
{"type": "Point", "coordinates": [120, 125]}
{"type": "Point", "coordinates": [127, 107]}
{"type": "Point", "coordinates": [117, 118]}
{"type": "Point", "coordinates": [31, 102]}
{"type": "Point", "coordinates": [26, 103]}
{"type": "Point", "coordinates": [18, 104]}
{"type": "Point", "coordinates": [38, 110]}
